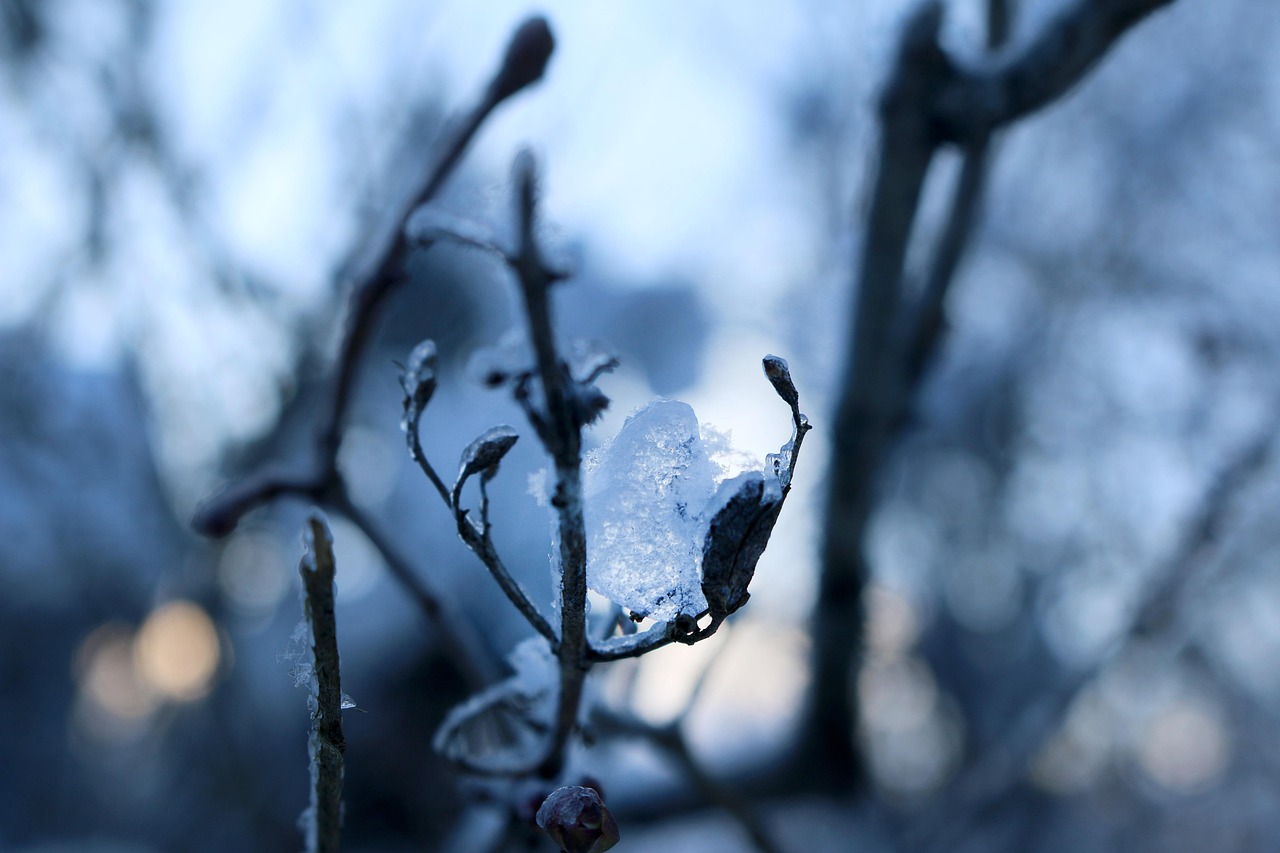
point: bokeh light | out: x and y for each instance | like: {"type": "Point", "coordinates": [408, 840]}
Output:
{"type": "Point", "coordinates": [177, 651]}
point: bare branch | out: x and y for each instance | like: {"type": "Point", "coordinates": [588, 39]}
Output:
{"type": "Point", "coordinates": [977, 101]}
{"type": "Point", "coordinates": [375, 273]}
{"type": "Point", "coordinates": [559, 426]}
{"type": "Point", "coordinates": [457, 637]}
{"type": "Point", "coordinates": [928, 101]}
{"type": "Point", "coordinates": [324, 817]}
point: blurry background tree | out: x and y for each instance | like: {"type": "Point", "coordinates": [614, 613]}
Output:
{"type": "Point", "coordinates": [1072, 625]}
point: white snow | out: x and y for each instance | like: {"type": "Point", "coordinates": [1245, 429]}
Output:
{"type": "Point", "coordinates": [647, 498]}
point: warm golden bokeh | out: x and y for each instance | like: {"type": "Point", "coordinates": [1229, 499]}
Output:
{"type": "Point", "coordinates": [177, 651]}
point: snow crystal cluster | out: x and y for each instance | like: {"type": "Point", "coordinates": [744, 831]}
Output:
{"type": "Point", "coordinates": [649, 495]}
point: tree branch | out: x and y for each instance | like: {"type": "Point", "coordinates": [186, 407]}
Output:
{"type": "Point", "coordinates": [323, 824]}
{"type": "Point", "coordinates": [977, 101]}
{"type": "Point", "coordinates": [928, 102]}
{"type": "Point", "coordinates": [375, 275]}
{"type": "Point", "coordinates": [559, 426]}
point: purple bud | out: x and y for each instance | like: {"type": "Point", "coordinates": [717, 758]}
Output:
{"type": "Point", "coordinates": [578, 820]}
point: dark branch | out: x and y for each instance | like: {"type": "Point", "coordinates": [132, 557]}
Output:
{"type": "Point", "coordinates": [980, 100]}
{"type": "Point", "coordinates": [558, 423]}
{"type": "Point", "coordinates": [375, 275]}
{"type": "Point", "coordinates": [324, 818]}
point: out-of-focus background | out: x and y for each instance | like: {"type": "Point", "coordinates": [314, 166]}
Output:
{"type": "Point", "coordinates": [180, 182]}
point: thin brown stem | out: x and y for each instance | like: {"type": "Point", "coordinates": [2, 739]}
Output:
{"type": "Point", "coordinates": [323, 822]}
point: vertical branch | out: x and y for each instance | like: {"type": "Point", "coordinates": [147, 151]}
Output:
{"type": "Point", "coordinates": [929, 102]}
{"type": "Point", "coordinates": [559, 427]}
{"type": "Point", "coordinates": [323, 819]}
{"type": "Point", "coordinates": [870, 397]}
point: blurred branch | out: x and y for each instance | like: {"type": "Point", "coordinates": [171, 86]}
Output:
{"type": "Point", "coordinates": [323, 822]}
{"type": "Point", "coordinates": [457, 636]}
{"type": "Point", "coordinates": [986, 784]}
{"type": "Point", "coordinates": [928, 102]}
{"type": "Point", "coordinates": [976, 101]}
{"type": "Point", "coordinates": [670, 739]}
{"type": "Point", "coordinates": [375, 275]}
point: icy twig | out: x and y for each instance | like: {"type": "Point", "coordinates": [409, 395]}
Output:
{"type": "Point", "coordinates": [635, 645]}
{"type": "Point", "coordinates": [323, 820]}
{"type": "Point", "coordinates": [558, 422]}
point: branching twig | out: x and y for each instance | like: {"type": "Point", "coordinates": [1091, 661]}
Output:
{"type": "Point", "coordinates": [374, 277]}
{"type": "Point", "coordinates": [323, 823]}
{"type": "Point", "coordinates": [975, 102]}
{"type": "Point", "coordinates": [928, 102]}
{"type": "Point", "coordinates": [559, 425]}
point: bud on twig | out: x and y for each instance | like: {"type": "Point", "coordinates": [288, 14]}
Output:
{"type": "Point", "coordinates": [526, 60]}
{"type": "Point", "coordinates": [578, 820]}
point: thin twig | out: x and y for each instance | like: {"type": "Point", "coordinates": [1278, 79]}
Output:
{"type": "Point", "coordinates": [481, 544]}
{"type": "Point", "coordinates": [324, 818]}
{"type": "Point", "coordinates": [375, 276]}
{"type": "Point", "coordinates": [457, 636]}
{"type": "Point", "coordinates": [413, 437]}
{"type": "Point", "coordinates": [559, 426]}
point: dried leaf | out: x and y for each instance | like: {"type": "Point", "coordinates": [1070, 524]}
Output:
{"type": "Point", "coordinates": [736, 538]}
{"type": "Point", "coordinates": [483, 454]}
